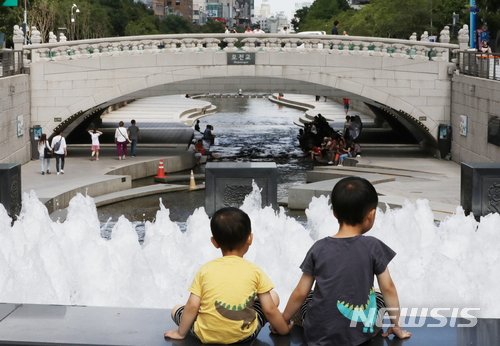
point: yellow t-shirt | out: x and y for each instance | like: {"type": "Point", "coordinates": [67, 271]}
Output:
{"type": "Point", "coordinates": [227, 287]}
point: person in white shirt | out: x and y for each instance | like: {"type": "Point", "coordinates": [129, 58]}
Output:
{"type": "Point", "coordinates": [226, 30]}
{"type": "Point", "coordinates": [121, 139]}
{"type": "Point", "coordinates": [59, 149]}
{"type": "Point", "coordinates": [259, 31]}
{"type": "Point", "coordinates": [285, 30]}
{"type": "Point", "coordinates": [95, 144]}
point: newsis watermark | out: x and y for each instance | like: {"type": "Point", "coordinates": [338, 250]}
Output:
{"type": "Point", "coordinates": [418, 317]}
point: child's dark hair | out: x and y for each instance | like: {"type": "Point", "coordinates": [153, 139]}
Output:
{"type": "Point", "coordinates": [230, 228]}
{"type": "Point", "coordinates": [352, 198]}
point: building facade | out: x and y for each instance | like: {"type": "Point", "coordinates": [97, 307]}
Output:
{"type": "Point", "coordinates": [182, 8]}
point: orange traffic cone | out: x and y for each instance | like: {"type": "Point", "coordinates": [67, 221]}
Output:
{"type": "Point", "coordinates": [161, 171]}
{"type": "Point", "coordinates": [192, 183]}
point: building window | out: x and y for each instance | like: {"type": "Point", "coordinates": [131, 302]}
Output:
{"type": "Point", "coordinates": [196, 13]}
{"type": "Point", "coordinates": [177, 2]}
{"type": "Point", "coordinates": [169, 3]}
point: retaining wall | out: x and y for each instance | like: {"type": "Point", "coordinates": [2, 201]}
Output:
{"type": "Point", "coordinates": [14, 102]}
{"type": "Point", "coordinates": [479, 100]}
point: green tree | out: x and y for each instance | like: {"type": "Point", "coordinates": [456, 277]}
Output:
{"type": "Point", "coordinates": [300, 18]}
{"type": "Point", "coordinates": [174, 24]}
{"type": "Point", "coordinates": [10, 16]}
{"type": "Point", "coordinates": [212, 27]}
{"type": "Point", "coordinates": [326, 9]}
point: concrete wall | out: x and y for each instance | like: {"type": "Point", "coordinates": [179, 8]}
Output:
{"type": "Point", "coordinates": [14, 101]}
{"type": "Point", "coordinates": [479, 99]}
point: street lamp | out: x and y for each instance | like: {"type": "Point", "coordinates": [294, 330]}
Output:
{"type": "Point", "coordinates": [73, 20]}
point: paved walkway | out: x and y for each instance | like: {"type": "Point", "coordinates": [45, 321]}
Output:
{"type": "Point", "coordinates": [165, 134]}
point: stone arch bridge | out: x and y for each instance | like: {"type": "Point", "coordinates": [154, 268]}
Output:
{"type": "Point", "coordinates": [72, 80]}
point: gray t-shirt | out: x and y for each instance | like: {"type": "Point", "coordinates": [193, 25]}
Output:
{"type": "Point", "coordinates": [134, 132]}
{"type": "Point", "coordinates": [344, 270]}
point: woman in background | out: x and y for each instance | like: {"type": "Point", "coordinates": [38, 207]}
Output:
{"type": "Point", "coordinates": [44, 154]}
{"type": "Point", "coordinates": [121, 139]}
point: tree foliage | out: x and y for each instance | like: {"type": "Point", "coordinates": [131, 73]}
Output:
{"type": "Point", "coordinates": [97, 18]}
{"type": "Point", "coordinates": [385, 18]}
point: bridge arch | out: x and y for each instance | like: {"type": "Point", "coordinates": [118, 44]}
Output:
{"type": "Point", "coordinates": [65, 86]}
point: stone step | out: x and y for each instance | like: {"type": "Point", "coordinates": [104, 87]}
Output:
{"type": "Point", "coordinates": [326, 171]}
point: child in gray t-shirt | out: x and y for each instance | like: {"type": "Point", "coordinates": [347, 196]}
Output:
{"type": "Point", "coordinates": [343, 267]}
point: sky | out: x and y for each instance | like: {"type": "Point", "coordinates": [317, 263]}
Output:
{"type": "Point", "coordinates": [281, 5]}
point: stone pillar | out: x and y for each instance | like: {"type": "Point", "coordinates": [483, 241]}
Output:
{"type": "Point", "coordinates": [10, 188]}
{"type": "Point", "coordinates": [463, 38]}
{"type": "Point", "coordinates": [18, 44]}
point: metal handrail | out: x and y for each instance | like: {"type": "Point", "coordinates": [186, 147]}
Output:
{"type": "Point", "coordinates": [11, 62]}
{"type": "Point", "coordinates": [478, 64]}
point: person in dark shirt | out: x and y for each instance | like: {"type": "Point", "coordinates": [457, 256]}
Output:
{"type": "Point", "coordinates": [343, 266]}
{"type": "Point", "coordinates": [335, 30]}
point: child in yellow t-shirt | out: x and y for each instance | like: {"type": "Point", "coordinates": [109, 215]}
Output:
{"type": "Point", "coordinates": [231, 298]}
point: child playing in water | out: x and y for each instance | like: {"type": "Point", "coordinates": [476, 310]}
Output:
{"type": "Point", "coordinates": [231, 299]}
{"type": "Point", "coordinates": [343, 267]}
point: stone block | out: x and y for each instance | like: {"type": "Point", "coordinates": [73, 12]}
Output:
{"type": "Point", "coordinates": [437, 93]}
{"type": "Point", "coordinates": [349, 86]}
{"type": "Point", "coordinates": [241, 70]}
{"type": "Point", "coordinates": [186, 74]}
{"type": "Point", "coordinates": [375, 94]}
{"type": "Point", "coordinates": [213, 71]}
{"type": "Point", "coordinates": [132, 73]}
{"type": "Point", "coordinates": [63, 67]}
{"type": "Point", "coordinates": [128, 62]}
{"type": "Point", "coordinates": [43, 102]}
{"type": "Point", "coordinates": [372, 82]}
{"type": "Point", "coordinates": [297, 59]}
{"type": "Point", "coordinates": [228, 183]}
{"type": "Point", "coordinates": [10, 188]}
{"type": "Point", "coordinates": [480, 188]}
{"type": "Point", "coordinates": [135, 85]}
{"type": "Point", "coordinates": [422, 84]}
{"type": "Point", "coordinates": [437, 101]}
{"type": "Point", "coordinates": [414, 75]}
{"type": "Point", "coordinates": [184, 60]}
{"type": "Point", "coordinates": [390, 75]}
{"type": "Point", "coordinates": [109, 94]}
{"type": "Point", "coordinates": [399, 92]}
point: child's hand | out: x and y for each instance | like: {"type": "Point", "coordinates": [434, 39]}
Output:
{"type": "Point", "coordinates": [173, 334]}
{"type": "Point", "coordinates": [274, 331]}
{"type": "Point", "coordinates": [402, 334]}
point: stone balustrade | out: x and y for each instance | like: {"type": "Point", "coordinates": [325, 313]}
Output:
{"type": "Point", "coordinates": [200, 43]}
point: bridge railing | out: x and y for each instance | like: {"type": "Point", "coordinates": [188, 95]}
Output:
{"type": "Point", "coordinates": [483, 65]}
{"type": "Point", "coordinates": [200, 43]}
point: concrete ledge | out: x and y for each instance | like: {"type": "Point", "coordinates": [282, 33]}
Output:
{"type": "Point", "coordinates": [32, 324]}
{"type": "Point", "coordinates": [149, 168]}
{"type": "Point", "coordinates": [57, 195]}
{"type": "Point", "coordinates": [136, 193]}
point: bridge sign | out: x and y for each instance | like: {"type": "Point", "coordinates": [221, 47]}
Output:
{"type": "Point", "coordinates": [10, 3]}
{"type": "Point", "coordinates": [241, 58]}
